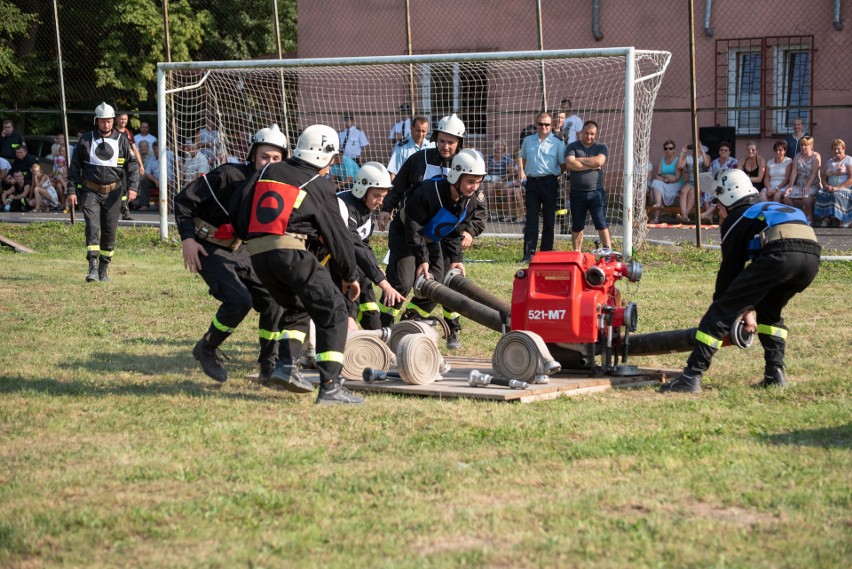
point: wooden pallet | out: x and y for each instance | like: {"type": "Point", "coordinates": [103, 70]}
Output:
{"type": "Point", "coordinates": [455, 384]}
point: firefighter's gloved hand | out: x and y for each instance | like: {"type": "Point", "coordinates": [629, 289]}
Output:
{"type": "Point", "coordinates": [750, 321]}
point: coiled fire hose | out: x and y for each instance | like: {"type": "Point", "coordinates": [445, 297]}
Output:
{"type": "Point", "coordinates": [418, 359]}
{"type": "Point", "coordinates": [365, 348]}
{"type": "Point", "coordinates": [524, 356]}
{"type": "Point", "coordinates": [402, 329]}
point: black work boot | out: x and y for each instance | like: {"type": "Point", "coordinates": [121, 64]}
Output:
{"type": "Point", "coordinates": [103, 268]}
{"type": "Point", "coordinates": [288, 376]}
{"type": "Point", "coordinates": [773, 377]}
{"type": "Point", "coordinates": [210, 360]}
{"type": "Point", "coordinates": [687, 382]}
{"type": "Point", "coordinates": [93, 270]}
{"type": "Point", "coordinates": [334, 393]}
{"type": "Point", "coordinates": [266, 369]}
{"type": "Point", "coordinates": [125, 212]}
{"type": "Point", "coordinates": [453, 342]}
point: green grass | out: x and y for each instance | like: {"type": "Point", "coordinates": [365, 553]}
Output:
{"type": "Point", "coordinates": [115, 451]}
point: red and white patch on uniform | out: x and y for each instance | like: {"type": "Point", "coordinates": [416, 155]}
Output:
{"type": "Point", "coordinates": [271, 207]}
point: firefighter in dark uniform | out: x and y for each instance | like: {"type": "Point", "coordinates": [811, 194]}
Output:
{"type": "Point", "coordinates": [211, 249]}
{"type": "Point", "coordinates": [784, 256]}
{"type": "Point", "coordinates": [432, 215]}
{"type": "Point", "coordinates": [358, 204]}
{"type": "Point", "coordinates": [431, 164]}
{"type": "Point", "coordinates": [288, 206]}
{"type": "Point", "coordinates": [100, 158]}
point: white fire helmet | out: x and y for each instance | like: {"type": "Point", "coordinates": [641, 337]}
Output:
{"type": "Point", "coordinates": [731, 186]}
{"type": "Point", "coordinates": [371, 175]}
{"type": "Point", "coordinates": [451, 125]}
{"type": "Point", "coordinates": [104, 111]}
{"type": "Point", "coordinates": [317, 145]}
{"type": "Point", "coordinates": [272, 136]}
{"type": "Point", "coordinates": [467, 161]}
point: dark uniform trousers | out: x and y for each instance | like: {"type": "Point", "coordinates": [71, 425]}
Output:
{"type": "Point", "coordinates": [767, 284]}
{"type": "Point", "coordinates": [367, 312]}
{"type": "Point", "coordinates": [233, 282]}
{"type": "Point", "coordinates": [542, 195]}
{"type": "Point", "coordinates": [306, 291]}
{"type": "Point", "coordinates": [402, 269]}
{"type": "Point", "coordinates": [101, 212]}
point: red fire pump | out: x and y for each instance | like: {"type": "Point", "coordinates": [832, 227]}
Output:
{"type": "Point", "coordinates": [569, 297]}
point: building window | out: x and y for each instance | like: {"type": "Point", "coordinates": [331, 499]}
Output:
{"type": "Point", "coordinates": [764, 83]}
{"type": "Point", "coordinates": [460, 88]}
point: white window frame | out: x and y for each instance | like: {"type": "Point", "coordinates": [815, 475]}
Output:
{"type": "Point", "coordinates": [781, 123]}
{"type": "Point", "coordinates": [734, 82]}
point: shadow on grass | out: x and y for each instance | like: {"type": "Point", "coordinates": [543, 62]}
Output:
{"type": "Point", "coordinates": [86, 389]}
{"type": "Point", "coordinates": [833, 437]}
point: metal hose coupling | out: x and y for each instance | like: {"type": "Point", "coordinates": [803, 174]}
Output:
{"type": "Point", "coordinates": [477, 379]}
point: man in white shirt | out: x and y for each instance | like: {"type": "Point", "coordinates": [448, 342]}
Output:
{"type": "Point", "coordinates": [353, 141]}
{"type": "Point", "coordinates": [145, 135]}
{"type": "Point", "coordinates": [402, 128]}
{"type": "Point", "coordinates": [573, 124]}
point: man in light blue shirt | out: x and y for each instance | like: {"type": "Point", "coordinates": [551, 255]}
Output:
{"type": "Point", "coordinates": [414, 143]}
{"type": "Point", "coordinates": [541, 161]}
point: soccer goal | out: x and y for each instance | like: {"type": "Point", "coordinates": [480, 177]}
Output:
{"type": "Point", "coordinates": [210, 110]}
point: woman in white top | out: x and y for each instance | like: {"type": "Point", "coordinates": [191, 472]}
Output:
{"type": "Point", "coordinates": [805, 179]}
{"type": "Point", "coordinates": [777, 177]}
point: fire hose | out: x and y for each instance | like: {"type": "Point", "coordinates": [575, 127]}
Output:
{"type": "Point", "coordinates": [459, 283]}
{"type": "Point", "coordinates": [523, 355]}
{"type": "Point", "coordinates": [458, 302]}
{"type": "Point", "coordinates": [405, 327]}
{"type": "Point", "coordinates": [365, 348]}
{"type": "Point", "coordinates": [418, 359]}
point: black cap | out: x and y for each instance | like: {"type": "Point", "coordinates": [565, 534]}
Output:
{"type": "Point", "coordinates": [405, 107]}
{"type": "Point", "coordinates": [348, 115]}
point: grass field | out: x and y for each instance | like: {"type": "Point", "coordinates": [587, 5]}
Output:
{"type": "Point", "coordinates": [116, 451]}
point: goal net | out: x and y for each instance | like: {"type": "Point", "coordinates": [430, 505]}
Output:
{"type": "Point", "coordinates": [210, 110]}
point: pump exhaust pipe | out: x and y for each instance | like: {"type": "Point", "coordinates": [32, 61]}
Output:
{"type": "Point", "coordinates": [457, 302]}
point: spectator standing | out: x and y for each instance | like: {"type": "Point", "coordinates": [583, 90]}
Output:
{"type": "Point", "coordinates": [408, 146]}
{"type": "Point", "coordinates": [145, 135]}
{"type": "Point", "coordinates": [10, 140]}
{"type": "Point", "coordinates": [24, 162]}
{"type": "Point", "coordinates": [573, 124]}
{"type": "Point", "coordinates": [558, 126]}
{"type": "Point", "coordinates": [103, 161]}
{"type": "Point", "coordinates": [402, 128]}
{"type": "Point", "coordinates": [586, 159]}
{"type": "Point", "coordinates": [805, 178]}
{"type": "Point", "coordinates": [794, 137]}
{"type": "Point", "coordinates": [834, 200]}
{"type": "Point", "coordinates": [121, 126]}
{"type": "Point", "coordinates": [667, 184]}
{"type": "Point", "coordinates": [59, 177]}
{"type": "Point", "coordinates": [500, 177]}
{"type": "Point", "coordinates": [778, 172]}
{"type": "Point", "coordinates": [541, 161]}
{"type": "Point", "coordinates": [353, 141]}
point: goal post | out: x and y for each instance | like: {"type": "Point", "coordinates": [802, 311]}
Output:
{"type": "Point", "coordinates": [210, 110]}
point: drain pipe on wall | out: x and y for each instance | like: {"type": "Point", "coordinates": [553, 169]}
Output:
{"type": "Point", "coordinates": [596, 20]}
{"type": "Point", "coordinates": [708, 9]}
{"type": "Point", "coordinates": [837, 21]}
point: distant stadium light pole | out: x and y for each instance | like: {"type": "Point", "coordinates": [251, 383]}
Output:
{"type": "Point", "coordinates": [63, 108]}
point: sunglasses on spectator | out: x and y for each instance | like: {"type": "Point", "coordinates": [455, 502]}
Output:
{"type": "Point", "coordinates": [668, 147]}
{"type": "Point", "coordinates": [544, 124]}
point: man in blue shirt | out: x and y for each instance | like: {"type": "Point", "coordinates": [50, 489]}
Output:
{"type": "Point", "coordinates": [541, 161]}
{"type": "Point", "coordinates": [586, 159]}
